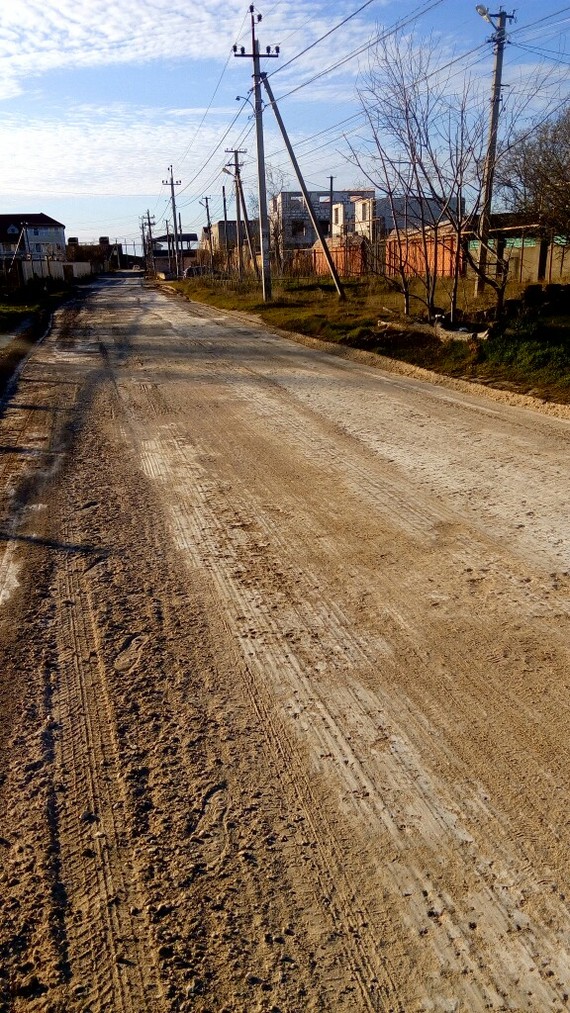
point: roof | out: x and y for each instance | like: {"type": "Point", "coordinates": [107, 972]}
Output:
{"type": "Point", "coordinates": [183, 237]}
{"type": "Point", "coordinates": [19, 218]}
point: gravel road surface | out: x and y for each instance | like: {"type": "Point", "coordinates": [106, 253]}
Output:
{"type": "Point", "coordinates": [285, 666]}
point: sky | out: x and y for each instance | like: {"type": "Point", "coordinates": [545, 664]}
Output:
{"type": "Point", "coordinates": [98, 99]}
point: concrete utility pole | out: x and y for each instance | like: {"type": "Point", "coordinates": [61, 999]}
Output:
{"type": "Point", "coordinates": [258, 110]}
{"type": "Point", "coordinates": [168, 246]}
{"type": "Point", "coordinates": [172, 183]}
{"type": "Point", "coordinates": [226, 241]}
{"type": "Point", "coordinates": [314, 220]}
{"type": "Point", "coordinates": [237, 184]}
{"type": "Point", "coordinates": [181, 241]}
{"type": "Point", "coordinates": [206, 204]}
{"type": "Point", "coordinates": [499, 40]}
{"type": "Point", "coordinates": [143, 238]}
{"type": "Point", "coordinates": [247, 226]}
{"type": "Point", "coordinates": [149, 240]}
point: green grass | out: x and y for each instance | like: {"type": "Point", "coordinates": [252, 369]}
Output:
{"type": "Point", "coordinates": [532, 355]}
{"type": "Point", "coordinates": [31, 307]}
{"type": "Point", "coordinates": [13, 314]}
{"type": "Point", "coordinates": [30, 303]}
{"type": "Point", "coordinates": [533, 352]}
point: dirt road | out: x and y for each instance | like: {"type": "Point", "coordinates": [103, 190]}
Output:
{"type": "Point", "coordinates": [284, 679]}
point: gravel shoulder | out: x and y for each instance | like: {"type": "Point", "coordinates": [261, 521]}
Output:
{"type": "Point", "coordinates": [285, 667]}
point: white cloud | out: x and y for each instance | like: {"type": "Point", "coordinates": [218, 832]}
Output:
{"type": "Point", "coordinates": [37, 36]}
{"type": "Point", "coordinates": [113, 150]}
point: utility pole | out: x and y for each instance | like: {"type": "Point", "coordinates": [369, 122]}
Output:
{"type": "Point", "coordinates": [226, 242]}
{"type": "Point", "coordinates": [314, 220]}
{"type": "Point", "coordinates": [258, 110]}
{"type": "Point", "coordinates": [149, 240]}
{"type": "Point", "coordinates": [181, 241]}
{"type": "Point", "coordinates": [247, 227]}
{"type": "Point", "coordinates": [331, 195]}
{"type": "Point", "coordinates": [172, 182]}
{"type": "Point", "coordinates": [237, 183]}
{"type": "Point", "coordinates": [499, 40]}
{"type": "Point", "coordinates": [167, 226]}
{"type": "Point", "coordinates": [143, 239]}
{"type": "Point", "coordinates": [206, 204]}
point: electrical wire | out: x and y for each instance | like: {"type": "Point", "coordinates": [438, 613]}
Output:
{"type": "Point", "coordinates": [335, 28]}
{"type": "Point", "coordinates": [380, 37]}
{"type": "Point", "coordinates": [544, 54]}
{"type": "Point", "coordinates": [404, 22]}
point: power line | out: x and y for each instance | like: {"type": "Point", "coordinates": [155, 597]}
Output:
{"type": "Point", "coordinates": [325, 36]}
{"type": "Point", "coordinates": [404, 22]}
{"type": "Point", "coordinates": [213, 152]}
{"type": "Point", "coordinates": [384, 34]}
{"type": "Point", "coordinates": [215, 92]}
{"type": "Point", "coordinates": [544, 54]}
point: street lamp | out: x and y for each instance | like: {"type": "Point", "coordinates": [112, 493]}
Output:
{"type": "Point", "coordinates": [484, 13]}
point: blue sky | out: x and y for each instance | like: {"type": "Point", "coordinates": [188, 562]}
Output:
{"type": "Point", "coordinates": [97, 99]}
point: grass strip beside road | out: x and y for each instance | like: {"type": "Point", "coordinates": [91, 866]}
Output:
{"type": "Point", "coordinates": [23, 321]}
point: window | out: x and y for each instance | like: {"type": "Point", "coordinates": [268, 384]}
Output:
{"type": "Point", "coordinates": [36, 232]}
{"type": "Point", "coordinates": [38, 247]}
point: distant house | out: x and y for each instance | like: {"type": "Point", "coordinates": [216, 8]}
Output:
{"type": "Point", "coordinates": [289, 220]}
{"type": "Point", "coordinates": [223, 232]}
{"type": "Point", "coordinates": [28, 236]}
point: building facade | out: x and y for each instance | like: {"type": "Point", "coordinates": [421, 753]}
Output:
{"type": "Point", "coordinates": [31, 237]}
{"type": "Point", "coordinates": [290, 224]}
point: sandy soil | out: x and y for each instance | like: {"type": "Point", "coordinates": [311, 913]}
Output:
{"type": "Point", "coordinates": [285, 667]}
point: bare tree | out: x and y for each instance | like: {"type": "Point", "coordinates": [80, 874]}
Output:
{"type": "Point", "coordinates": [425, 155]}
{"type": "Point", "coordinates": [426, 146]}
{"type": "Point", "coordinates": [275, 181]}
{"type": "Point", "coordinates": [535, 176]}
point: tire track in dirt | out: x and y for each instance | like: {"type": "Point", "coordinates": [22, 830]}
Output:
{"type": "Point", "coordinates": [375, 980]}
{"type": "Point", "coordinates": [225, 557]}
{"type": "Point", "coordinates": [107, 946]}
{"type": "Point", "coordinates": [421, 443]}
{"type": "Point", "coordinates": [173, 459]}
{"type": "Point", "coordinates": [279, 673]}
